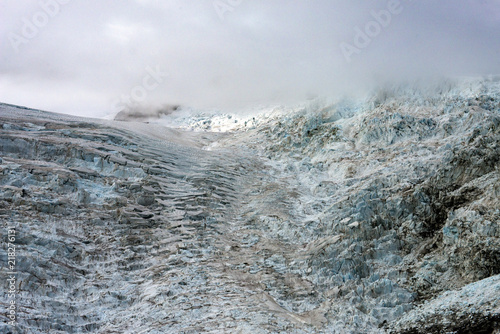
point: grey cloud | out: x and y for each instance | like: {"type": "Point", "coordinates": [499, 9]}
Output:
{"type": "Point", "coordinates": [91, 53]}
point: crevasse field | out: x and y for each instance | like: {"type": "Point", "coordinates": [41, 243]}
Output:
{"type": "Point", "coordinates": [369, 215]}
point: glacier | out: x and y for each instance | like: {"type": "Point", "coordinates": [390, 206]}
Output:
{"type": "Point", "coordinates": [369, 215]}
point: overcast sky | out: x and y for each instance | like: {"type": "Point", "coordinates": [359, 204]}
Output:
{"type": "Point", "coordinates": [93, 57]}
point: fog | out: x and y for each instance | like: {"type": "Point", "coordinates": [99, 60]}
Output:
{"type": "Point", "coordinates": [97, 58]}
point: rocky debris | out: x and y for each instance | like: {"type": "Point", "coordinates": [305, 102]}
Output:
{"type": "Point", "coordinates": [475, 308]}
{"type": "Point", "coordinates": [143, 114]}
{"type": "Point", "coordinates": [354, 217]}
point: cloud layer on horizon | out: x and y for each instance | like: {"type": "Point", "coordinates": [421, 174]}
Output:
{"type": "Point", "coordinates": [89, 58]}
